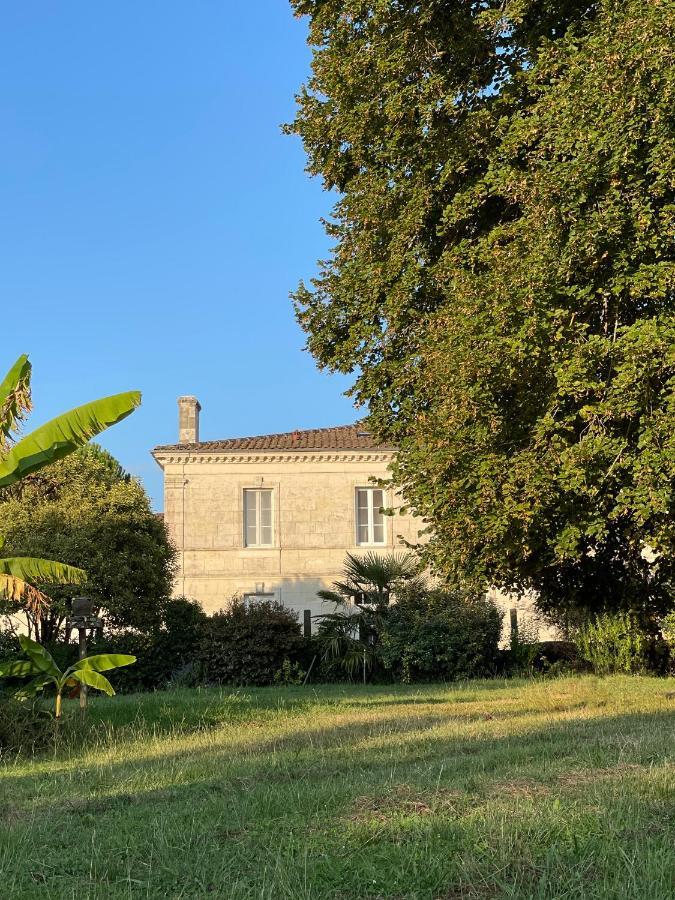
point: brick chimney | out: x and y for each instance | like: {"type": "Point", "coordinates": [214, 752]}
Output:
{"type": "Point", "coordinates": [188, 420]}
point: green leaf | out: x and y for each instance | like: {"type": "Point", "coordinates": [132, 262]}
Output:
{"type": "Point", "coordinates": [40, 657]}
{"type": "Point", "coordinates": [103, 662]}
{"type": "Point", "coordinates": [62, 435]}
{"type": "Point", "coordinates": [35, 686]}
{"type": "Point", "coordinates": [93, 679]}
{"type": "Point", "coordinates": [14, 397]}
{"type": "Point", "coordinates": [17, 668]}
{"type": "Point", "coordinates": [46, 571]}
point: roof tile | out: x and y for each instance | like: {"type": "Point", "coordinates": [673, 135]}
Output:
{"type": "Point", "coordinates": [340, 437]}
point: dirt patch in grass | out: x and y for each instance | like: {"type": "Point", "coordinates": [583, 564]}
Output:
{"type": "Point", "coordinates": [405, 800]}
{"type": "Point", "coordinates": [580, 777]}
{"type": "Point", "coordinates": [470, 892]}
{"type": "Point", "coordinates": [520, 787]}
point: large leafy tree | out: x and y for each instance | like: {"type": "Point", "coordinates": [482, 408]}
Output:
{"type": "Point", "coordinates": [502, 277]}
{"type": "Point", "coordinates": [22, 457]}
{"type": "Point", "coordinates": [88, 512]}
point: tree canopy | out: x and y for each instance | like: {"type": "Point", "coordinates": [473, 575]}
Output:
{"type": "Point", "coordinates": [87, 511]}
{"type": "Point", "coordinates": [501, 282]}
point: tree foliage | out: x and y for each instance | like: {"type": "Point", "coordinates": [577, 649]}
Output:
{"type": "Point", "coordinates": [502, 278]}
{"type": "Point", "coordinates": [87, 511]}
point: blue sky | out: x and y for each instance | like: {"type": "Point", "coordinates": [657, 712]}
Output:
{"type": "Point", "coordinates": [153, 218]}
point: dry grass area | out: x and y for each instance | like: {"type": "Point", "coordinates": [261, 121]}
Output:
{"type": "Point", "coordinates": [532, 789]}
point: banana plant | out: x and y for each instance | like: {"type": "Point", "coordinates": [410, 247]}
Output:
{"type": "Point", "coordinates": [58, 437]}
{"type": "Point", "coordinates": [18, 458]}
{"type": "Point", "coordinates": [43, 671]}
{"type": "Point", "coordinates": [18, 575]}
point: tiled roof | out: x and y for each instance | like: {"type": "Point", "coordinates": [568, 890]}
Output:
{"type": "Point", "coordinates": [340, 437]}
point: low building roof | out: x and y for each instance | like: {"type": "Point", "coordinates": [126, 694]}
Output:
{"type": "Point", "coordinates": [339, 437]}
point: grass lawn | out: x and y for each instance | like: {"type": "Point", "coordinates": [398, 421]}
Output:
{"type": "Point", "coordinates": [533, 789]}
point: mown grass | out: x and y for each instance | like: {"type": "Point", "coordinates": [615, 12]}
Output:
{"type": "Point", "coordinates": [533, 789]}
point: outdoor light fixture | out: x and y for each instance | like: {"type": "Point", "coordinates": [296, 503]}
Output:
{"type": "Point", "coordinates": [83, 619]}
{"type": "Point", "coordinates": [82, 607]}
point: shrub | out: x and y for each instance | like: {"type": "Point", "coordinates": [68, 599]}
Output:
{"type": "Point", "coordinates": [667, 625]}
{"type": "Point", "coordinates": [167, 655]}
{"type": "Point", "coordinates": [612, 643]}
{"type": "Point", "coordinates": [248, 643]}
{"type": "Point", "coordinates": [289, 673]}
{"type": "Point", "coordinates": [9, 645]}
{"type": "Point", "coordinates": [524, 648]}
{"type": "Point", "coordinates": [25, 727]}
{"type": "Point", "coordinates": [440, 634]}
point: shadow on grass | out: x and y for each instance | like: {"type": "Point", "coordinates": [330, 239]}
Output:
{"type": "Point", "coordinates": [356, 798]}
{"type": "Point", "coordinates": [314, 754]}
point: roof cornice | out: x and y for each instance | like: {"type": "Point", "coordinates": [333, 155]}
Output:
{"type": "Point", "coordinates": [252, 457]}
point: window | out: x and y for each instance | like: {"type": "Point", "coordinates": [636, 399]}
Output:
{"type": "Point", "coordinates": [252, 599]}
{"type": "Point", "coordinates": [370, 528]}
{"type": "Point", "coordinates": [258, 518]}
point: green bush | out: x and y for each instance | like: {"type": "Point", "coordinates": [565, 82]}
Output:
{"type": "Point", "coordinates": [289, 673]}
{"type": "Point", "coordinates": [612, 643]}
{"type": "Point", "coordinates": [24, 727]}
{"type": "Point", "coordinates": [524, 649]}
{"type": "Point", "coordinates": [165, 656]}
{"type": "Point", "coordinates": [248, 643]}
{"type": "Point", "coordinates": [440, 634]}
{"type": "Point", "coordinates": [667, 625]}
{"type": "Point", "coordinates": [9, 645]}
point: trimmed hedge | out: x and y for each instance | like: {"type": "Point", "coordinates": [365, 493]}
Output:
{"type": "Point", "coordinates": [247, 644]}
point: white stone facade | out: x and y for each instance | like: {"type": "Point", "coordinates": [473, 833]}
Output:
{"type": "Point", "coordinates": [313, 514]}
{"type": "Point", "coordinates": [314, 522]}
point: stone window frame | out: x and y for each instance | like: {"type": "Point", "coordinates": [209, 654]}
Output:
{"type": "Point", "coordinates": [253, 596]}
{"type": "Point", "coordinates": [385, 536]}
{"type": "Point", "coordinates": [274, 523]}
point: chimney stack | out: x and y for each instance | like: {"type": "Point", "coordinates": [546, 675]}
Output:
{"type": "Point", "coordinates": [188, 420]}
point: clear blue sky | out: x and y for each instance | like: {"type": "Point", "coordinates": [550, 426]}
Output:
{"type": "Point", "coordinates": [153, 218]}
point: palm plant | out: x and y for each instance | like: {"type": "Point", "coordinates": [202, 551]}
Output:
{"type": "Point", "coordinates": [42, 669]}
{"type": "Point", "coordinates": [348, 637]}
{"type": "Point", "coordinates": [372, 578]}
{"type": "Point", "coordinates": [18, 458]}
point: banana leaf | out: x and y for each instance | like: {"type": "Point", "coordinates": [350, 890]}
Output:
{"type": "Point", "coordinates": [102, 662]}
{"type": "Point", "coordinates": [40, 657]}
{"type": "Point", "coordinates": [34, 687]}
{"type": "Point", "coordinates": [14, 398]}
{"type": "Point", "coordinates": [17, 668]}
{"type": "Point", "coordinates": [65, 433]}
{"type": "Point", "coordinates": [15, 590]}
{"type": "Point", "coordinates": [43, 571]}
{"type": "Point", "coordinates": [93, 679]}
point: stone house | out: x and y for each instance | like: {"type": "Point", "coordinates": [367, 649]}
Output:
{"type": "Point", "coordinates": [273, 516]}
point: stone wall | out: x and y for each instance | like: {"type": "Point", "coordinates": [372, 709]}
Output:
{"type": "Point", "coordinates": [314, 526]}
{"type": "Point", "coordinates": [314, 513]}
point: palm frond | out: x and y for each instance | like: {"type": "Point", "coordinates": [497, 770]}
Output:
{"type": "Point", "coordinates": [331, 596]}
{"type": "Point", "coordinates": [380, 570]}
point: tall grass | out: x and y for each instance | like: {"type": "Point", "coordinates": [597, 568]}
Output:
{"type": "Point", "coordinates": [532, 789]}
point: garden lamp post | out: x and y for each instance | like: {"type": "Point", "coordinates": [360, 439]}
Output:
{"type": "Point", "coordinates": [83, 619]}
